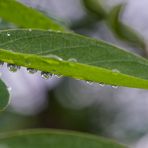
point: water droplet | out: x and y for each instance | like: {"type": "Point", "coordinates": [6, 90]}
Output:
{"type": "Point", "coordinates": [72, 60]}
{"type": "Point", "coordinates": [54, 57]}
{"type": "Point", "coordinates": [115, 71]}
{"type": "Point", "coordinates": [58, 76]}
{"type": "Point", "coordinates": [8, 34]}
{"type": "Point", "coordinates": [50, 30]}
{"type": "Point", "coordinates": [89, 82]}
{"type": "Point", "coordinates": [46, 75]}
{"type": "Point", "coordinates": [12, 67]}
{"type": "Point", "coordinates": [1, 64]}
{"type": "Point", "coordinates": [31, 70]}
{"type": "Point", "coordinates": [114, 86]}
{"type": "Point", "coordinates": [30, 29]}
{"type": "Point", "coordinates": [101, 84]}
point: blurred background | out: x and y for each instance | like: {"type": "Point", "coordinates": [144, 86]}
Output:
{"type": "Point", "coordinates": [65, 103]}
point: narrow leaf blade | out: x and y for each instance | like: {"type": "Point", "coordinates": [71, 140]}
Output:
{"type": "Point", "coordinates": [101, 61]}
{"type": "Point", "coordinates": [121, 30]}
{"type": "Point", "coordinates": [94, 7]}
{"type": "Point", "coordinates": [56, 139]}
{"type": "Point", "coordinates": [25, 17]}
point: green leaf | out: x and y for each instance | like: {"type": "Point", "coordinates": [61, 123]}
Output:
{"type": "Point", "coordinates": [4, 96]}
{"type": "Point", "coordinates": [26, 17]}
{"type": "Point", "coordinates": [96, 60]}
{"type": "Point", "coordinates": [121, 30]}
{"type": "Point", "coordinates": [94, 7]}
{"type": "Point", "coordinates": [54, 139]}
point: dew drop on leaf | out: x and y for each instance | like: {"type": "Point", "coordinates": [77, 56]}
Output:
{"type": "Point", "coordinates": [58, 76]}
{"type": "Point", "coordinates": [114, 86]}
{"type": "Point", "coordinates": [55, 57]}
{"type": "Point", "coordinates": [101, 84]}
{"type": "Point", "coordinates": [72, 60]}
{"type": "Point", "coordinates": [31, 70]}
{"type": "Point", "coordinates": [115, 71]}
{"type": "Point", "coordinates": [46, 75]}
{"type": "Point", "coordinates": [89, 82]}
{"type": "Point", "coordinates": [50, 30]}
{"type": "Point", "coordinates": [13, 68]}
{"type": "Point", "coordinates": [8, 34]}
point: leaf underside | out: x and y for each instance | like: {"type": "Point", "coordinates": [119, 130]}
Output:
{"type": "Point", "coordinates": [96, 60]}
{"type": "Point", "coordinates": [53, 138]}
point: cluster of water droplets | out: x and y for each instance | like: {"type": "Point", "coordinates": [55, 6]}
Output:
{"type": "Point", "coordinates": [115, 72]}
{"type": "Point", "coordinates": [100, 84]}
{"type": "Point", "coordinates": [47, 75]}
{"type": "Point", "coordinates": [44, 74]}
{"type": "Point", "coordinates": [15, 68]}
